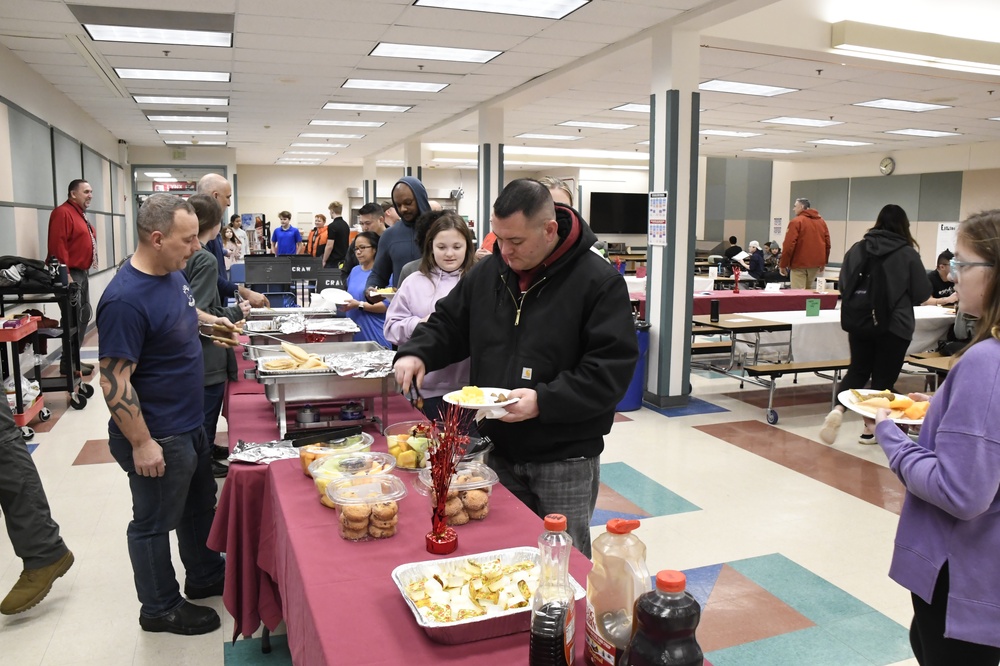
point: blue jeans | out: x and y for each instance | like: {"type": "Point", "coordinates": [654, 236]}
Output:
{"type": "Point", "coordinates": [183, 499]}
{"type": "Point", "coordinates": [568, 487]}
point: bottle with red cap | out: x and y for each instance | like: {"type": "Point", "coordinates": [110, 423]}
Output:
{"type": "Point", "coordinates": [553, 615]}
{"type": "Point", "coordinates": [663, 625]}
{"type": "Point", "coordinates": [618, 578]}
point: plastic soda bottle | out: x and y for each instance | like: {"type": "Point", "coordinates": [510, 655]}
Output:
{"type": "Point", "coordinates": [618, 578]}
{"type": "Point", "coordinates": [663, 625]}
{"type": "Point", "coordinates": [552, 607]}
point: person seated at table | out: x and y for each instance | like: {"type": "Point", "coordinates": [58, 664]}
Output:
{"type": "Point", "coordinates": [753, 263]}
{"type": "Point", "coordinates": [942, 286]}
{"type": "Point", "coordinates": [447, 256]}
{"type": "Point", "coordinates": [732, 250]}
{"type": "Point", "coordinates": [772, 257]}
{"type": "Point", "coordinates": [370, 317]}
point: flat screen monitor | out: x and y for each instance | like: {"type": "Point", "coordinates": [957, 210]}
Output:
{"type": "Point", "coordinates": [618, 212]}
{"type": "Point", "coordinates": [268, 269]}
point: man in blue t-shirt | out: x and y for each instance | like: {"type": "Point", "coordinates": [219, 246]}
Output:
{"type": "Point", "coordinates": [151, 376]}
{"type": "Point", "coordinates": [286, 239]}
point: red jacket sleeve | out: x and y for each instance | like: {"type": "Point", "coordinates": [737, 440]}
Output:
{"type": "Point", "coordinates": [60, 226]}
{"type": "Point", "coordinates": [788, 245]}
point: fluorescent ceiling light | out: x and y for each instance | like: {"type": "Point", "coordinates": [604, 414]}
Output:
{"type": "Point", "coordinates": [715, 132]}
{"type": "Point", "coordinates": [583, 123]}
{"type": "Point", "coordinates": [634, 108]}
{"type": "Point", "coordinates": [121, 33]}
{"type": "Point", "coordinates": [583, 153]}
{"type": "Point", "coordinates": [282, 160]}
{"type": "Point", "coordinates": [299, 144]}
{"type": "Point", "coordinates": [910, 47]}
{"type": "Point", "coordinates": [551, 9]}
{"type": "Point", "coordinates": [348, 123]}
{"type": "Point", "coordinates": [717, 85]}
{"type": "Point", "coordinates": [549, 137]}
{"type": "Point", "coordinates": [165, 180]}
{"type": "Point", "coordinates": [450, 54]}
{"type": "Point", "coordinates": [314, 135]}
{"type": "Point", "coordinates": [405, 86]}
{"type": "Point", "coordinates": [580, 165]}
{"type": "Point", "coordinates": [172, 75]}
{"type": "Point", "coordinates": [839, 142]}
{"type": "Point", "coordinates": [385, 108]}
{"type": "Point", "coordinates": [642, 143]}
{"type": "Point", "coordinates": [310, 152]}
{"type": "Point", "coordinates": [187, 119]}
{"type": "Point", "coordinates": [780, 151]}
{"type": "Point", "coordinates": [157, 174]}
{"type": "Point", "coordinates": [206, 132]}
{"type": "Point", "coordinates": [931, 134]}
{"type": "Point", "coordinates": [187, 101]}
{"type": "Point", "coordinates": [802, 122]}
{"type": "Point", "coordinates": [902, 105]}
{"type": "Point", "coordinates": [195, 143]}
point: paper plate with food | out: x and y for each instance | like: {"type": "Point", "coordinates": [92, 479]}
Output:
{"type": "Point", "coordinates": [902, 409]}
{"type": "Point", "coordinates": [474, 397]}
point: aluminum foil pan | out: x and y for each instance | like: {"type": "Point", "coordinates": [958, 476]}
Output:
{"type": "Point", "coordinates": [262, 453]}
{"type": "Point", "coordinates": [335, 325]}
{"type": "Point", "coordinates": [366, 365]}
{"type": "Point", "coordinates": [477, 628]}
{"type": "Point", "coordinates": [273, 312]}
{"type": "Point", "coordinates": [264, 372]}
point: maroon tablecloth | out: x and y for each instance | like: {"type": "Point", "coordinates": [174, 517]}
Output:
{"type": "Point", "coordinates": [758, 300]}
{"type": "Point", "coordinates": [339, 602]}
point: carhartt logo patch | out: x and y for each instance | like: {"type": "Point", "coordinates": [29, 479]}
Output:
{"type": "Point", "coordinates": [525, 373]}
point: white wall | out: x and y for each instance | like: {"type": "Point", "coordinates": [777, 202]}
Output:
{"type": "Point", "coordinates": [613, 180]}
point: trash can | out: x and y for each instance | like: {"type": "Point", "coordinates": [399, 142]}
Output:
{"type": "Point", "coordinates": [633, 396]}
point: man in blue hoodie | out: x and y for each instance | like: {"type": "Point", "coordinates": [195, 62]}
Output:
{"type": "Point", "coordinates": [397, 246]}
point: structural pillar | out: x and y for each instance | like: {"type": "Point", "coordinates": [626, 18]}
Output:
{"type": "Point", "coordinates": [673, 168]}
{"type": "Point", "coordinates": [369, 188]}
{"type": "Point", "coordinates": [413, 160]}
{"type": "Point", "coordinates": [490, 166]}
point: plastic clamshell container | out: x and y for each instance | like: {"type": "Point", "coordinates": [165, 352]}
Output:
{"type": "Point", "coordinates": [393, 430]}
{"type": "Point", "coordinates": [353, 444]}
{"type": "Point", "coordinates": [478, 450]}
{"type": "Point", "coordinates": [363, 463]}
{"type": "Point", "coordinates": [352, 496]}
{"type": "Point", "coordinates": [476, 628]}
{"type": "Point", "coordinates": [484, 480]}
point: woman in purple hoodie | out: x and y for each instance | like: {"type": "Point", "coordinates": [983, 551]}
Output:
{"type": "Point", "coordinates": [447, 254]}
{"type": "Point", "coordinates": [947, 550]}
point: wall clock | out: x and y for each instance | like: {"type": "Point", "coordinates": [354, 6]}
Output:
{"type": "Point", "coordinates": [887, 166]}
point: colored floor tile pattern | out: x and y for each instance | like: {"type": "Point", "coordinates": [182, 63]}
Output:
{"type": "Point", "coordinates": [694, 407]}
{"type": "Point", "coordinates": [627, 493]}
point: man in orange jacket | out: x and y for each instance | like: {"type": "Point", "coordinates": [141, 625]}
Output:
{"type": "Point", "coordinates": [807, 246]}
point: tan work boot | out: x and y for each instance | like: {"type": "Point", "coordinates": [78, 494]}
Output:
{"type": "Point", "coordinates": [33, 585]}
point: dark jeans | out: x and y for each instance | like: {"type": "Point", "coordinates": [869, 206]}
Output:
{"type": "Point", "coordinates": [84, 313]}
{"type": "Point", "coordinates": [930, 647]}
{"type": "Point", "coordinates": [879, 358]}
{"type": "Point", "coordinates": [33, 533]}
{"type": "Point", "coordinates": [568, 487]}
{"type": "Point", "coordinates": [183, 499]}
{"type": "Point", "coordinates": [213, 407]}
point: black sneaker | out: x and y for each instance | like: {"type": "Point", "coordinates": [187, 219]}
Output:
{"type": "Point", "coordinates": [220, 452]}
{"type": "Point", "coordinates": [219, 470]}
{"type": "Point", "coordinates": [213, 590]}
{"type": "Point", "coordinates": [187, 620]}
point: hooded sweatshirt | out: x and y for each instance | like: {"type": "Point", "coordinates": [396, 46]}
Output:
{"type": "Point", "coordinates": [398, 244]}
{"type": "Point", "coordinates": [568, 335]}
{"type": "Point", "coordinates": [908, 284]}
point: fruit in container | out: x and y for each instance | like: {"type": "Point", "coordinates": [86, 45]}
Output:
{"type": "Point", "coordinates": [407, 459]}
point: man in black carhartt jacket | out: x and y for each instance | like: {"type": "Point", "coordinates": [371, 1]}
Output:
{"type": "Point", "coordinates": [552, 321]}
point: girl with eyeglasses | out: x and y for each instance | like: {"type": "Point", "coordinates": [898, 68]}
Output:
{"type": "Point", "coordinates": [370, 317]}
{"type": "Point", "coordinates": [447, 255]}
{"type": "Point", "coordinates": [947, 550]}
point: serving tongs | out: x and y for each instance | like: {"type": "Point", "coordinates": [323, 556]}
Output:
{"type": "Point", "coordinates": [219, 332]}
{"type": "Point", "coordinates": [416, 400]}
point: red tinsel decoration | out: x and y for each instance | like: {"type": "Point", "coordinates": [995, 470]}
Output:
{"type": "Point", "coordinates": [736, 279]}
{"type": "Point", "coordinates": [449, 442]}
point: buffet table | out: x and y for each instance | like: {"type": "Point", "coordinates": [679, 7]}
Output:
{"type": "Point", "coordinates": [759, 300]}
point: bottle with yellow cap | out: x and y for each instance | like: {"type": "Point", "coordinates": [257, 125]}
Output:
{"type": "Point", "coordinates": [618, 578]}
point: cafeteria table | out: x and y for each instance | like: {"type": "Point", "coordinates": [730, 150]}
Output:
{"type": "Point", "coordinates": [760, 300]}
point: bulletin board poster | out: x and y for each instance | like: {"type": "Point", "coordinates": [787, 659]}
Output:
{"type": "Point", "coordinates": [250, 220]}
{"type": "Point", "coordinates": [946, 236]}
{"type": "Point", "coordinates": [657, 234]}
{"type": "Point", "coordinates": [777, 226]}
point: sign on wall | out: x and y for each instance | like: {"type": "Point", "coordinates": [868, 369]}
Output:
{"type": "Point", "coordinates": [777, 226]}
{"type": "Point", "coordinates": [657, 233]}
{"type": "Point", "coordinates": [946, 236]}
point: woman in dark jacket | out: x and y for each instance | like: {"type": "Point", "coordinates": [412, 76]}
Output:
{"type": "Point", "coordinates": [880, 356]}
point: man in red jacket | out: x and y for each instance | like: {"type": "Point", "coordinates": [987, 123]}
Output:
{"type": "Point", "coordinates": [806, 247]}
{"type": "Point", "coordinates": [73, 242]}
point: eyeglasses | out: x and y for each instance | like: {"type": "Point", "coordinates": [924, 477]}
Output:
{"type": "Point", "coordinates": [957, 266]}
{"type": "Point", "coordinates": [358, 248]}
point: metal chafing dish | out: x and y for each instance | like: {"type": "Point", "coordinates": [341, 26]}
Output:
{"type": "Point", "coordinates": [290, 387]}
{"type": "Point", "coordinates": [257, 328]}
{"type": "Point", "coordinates": [271, 313]}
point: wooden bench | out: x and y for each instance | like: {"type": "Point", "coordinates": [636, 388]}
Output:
{"type": "Point", "coordinates": [701, 348]}
{"type": "Point", "coordinates": [775, 370]}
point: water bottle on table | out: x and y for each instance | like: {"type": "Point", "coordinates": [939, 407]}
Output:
{"type": "Point", "coordinates": [553, 616]}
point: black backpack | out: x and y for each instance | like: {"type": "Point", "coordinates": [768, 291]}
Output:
{"type": "Point", "coordinates": [28, 274]}
{"type": "Point", "coordinates": [866, 309]}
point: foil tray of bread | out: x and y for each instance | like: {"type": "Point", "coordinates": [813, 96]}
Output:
{"type": "Point", "coordinates": [501, 579]}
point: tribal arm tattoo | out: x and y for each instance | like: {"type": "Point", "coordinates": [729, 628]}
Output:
{"type": "Point", "coordinates": [123, 403]}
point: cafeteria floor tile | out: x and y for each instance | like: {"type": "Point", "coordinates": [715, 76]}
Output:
{"type": "Point", "coordinates": [787, 541]}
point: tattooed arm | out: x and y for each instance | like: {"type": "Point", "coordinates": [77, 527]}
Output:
{"type": "Point", "coordinates": [123, 403]}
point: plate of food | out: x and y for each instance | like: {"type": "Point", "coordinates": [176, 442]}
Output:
{"type": "Point", "coordinates": [474, 397]}
{"type": "Point", "coordinates": [867, 402]}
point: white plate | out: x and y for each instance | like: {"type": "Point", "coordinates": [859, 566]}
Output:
{"type": "Point", "coordinates": [487, 392]}
{"type": "Point", "coordinates": [847, 400]}
{"type": "Point", "coordinates": [335, 296]}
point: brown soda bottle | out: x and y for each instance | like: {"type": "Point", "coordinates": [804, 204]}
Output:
{"type": "Point", "coordinates": [663, 625]}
